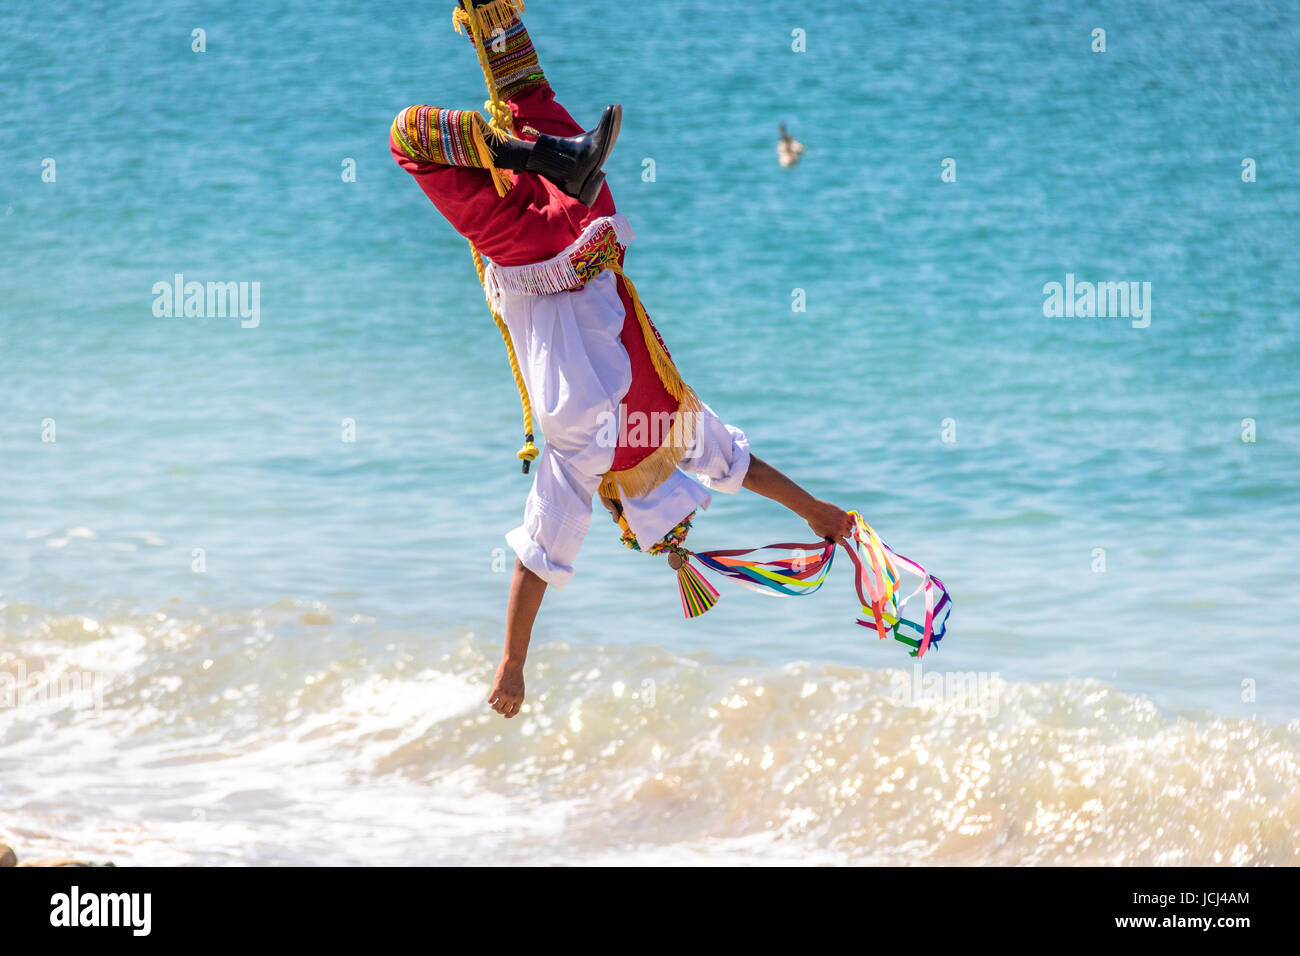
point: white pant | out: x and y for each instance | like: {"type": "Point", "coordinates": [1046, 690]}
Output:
{"type": "Point", "coordinates": [577, 373]}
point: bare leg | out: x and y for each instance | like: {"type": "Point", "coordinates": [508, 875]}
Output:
{"type": "Point", "coordinates": [825, 519]}
{"type": "Point", "coordinates": [526, 592]}
{"type": "Point", "coordinates": [527, 589]}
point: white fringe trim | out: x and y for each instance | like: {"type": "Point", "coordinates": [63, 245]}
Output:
{"type": "Point", "coordinates": [551, 275]}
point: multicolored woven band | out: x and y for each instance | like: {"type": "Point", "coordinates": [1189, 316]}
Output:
{"type": "Point", "coordinates": [511, 56]}
{"type": "Point", "coordinates": [514, 62]}
{"type": "Point", "coordinates": [446, 137]}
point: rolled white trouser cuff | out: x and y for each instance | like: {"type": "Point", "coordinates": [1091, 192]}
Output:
{"type": "Point", "coordinates": [721, 458]}
{"type": "Point", "coordinates": [535, 559]}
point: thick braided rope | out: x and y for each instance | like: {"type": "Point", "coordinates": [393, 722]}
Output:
{"type": "Point", "coordinates": [502, 120]}
{"type": "Point", "coordinates": [529, 450]}
{"type": "Point", "coordinates": [477, 19]}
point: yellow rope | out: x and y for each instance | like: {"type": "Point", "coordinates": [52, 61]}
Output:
{"type": "Point", "coordinates": [529, 450]}
{"type": "Point", "coordinates": [478, 19]}
{"type": "Point", "coordinates": [501, 123]}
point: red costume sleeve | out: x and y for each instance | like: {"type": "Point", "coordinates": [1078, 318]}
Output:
{"type": "Point", "coordinates": [532, 222]}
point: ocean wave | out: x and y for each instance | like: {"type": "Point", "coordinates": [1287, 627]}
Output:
{"type": "Point", "coordinates": [298, 734]}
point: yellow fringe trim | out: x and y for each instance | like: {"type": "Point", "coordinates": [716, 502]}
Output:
{"type": "Point", "coordinates": [483, 131]}
{"type": "Point", "coordinates": [654, 469]}
{"type": "Point", "coordinates": [668, 373]}
{"type": "Point", "coordinates": [497, 15]}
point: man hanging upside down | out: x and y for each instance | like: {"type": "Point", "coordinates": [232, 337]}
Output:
{"type": "Point", "coordinates": [617, 419]}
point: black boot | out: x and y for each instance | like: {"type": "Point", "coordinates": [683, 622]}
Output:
{"type": "Point", "coordinates": [571, 162]}
{"type": "Point", "coordinates": [510, 153]}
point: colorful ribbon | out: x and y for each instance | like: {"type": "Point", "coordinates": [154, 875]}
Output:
{"type": "Point", "coordinates": [877, 575]}
{"type": "Point", "coordinates": [802, 573]}
{"type": "Point", "coordinates": [876, 578]}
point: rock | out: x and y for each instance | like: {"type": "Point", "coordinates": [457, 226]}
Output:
{"type": "Point", "coordinates": [9, 858]}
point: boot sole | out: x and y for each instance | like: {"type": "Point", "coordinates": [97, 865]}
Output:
{"type": "Point", "coordinates": [590, 190]}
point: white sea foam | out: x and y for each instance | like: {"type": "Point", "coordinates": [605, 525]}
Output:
{"type": "Point", "coordinates": [258, 739]}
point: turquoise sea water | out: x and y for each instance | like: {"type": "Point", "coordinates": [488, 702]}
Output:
{"type": "Point", "coordinates": [352, 597]}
